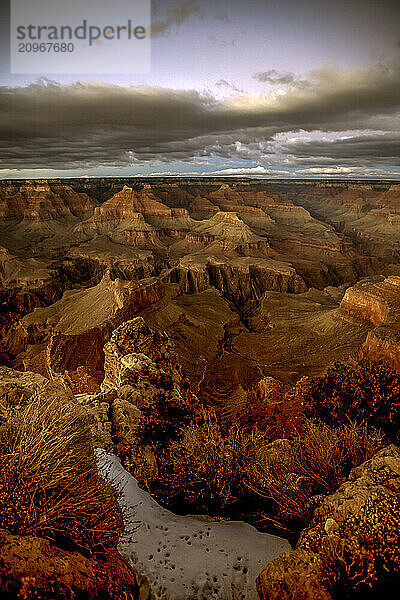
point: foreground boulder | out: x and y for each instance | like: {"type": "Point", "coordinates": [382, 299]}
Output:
{"type": "Point", "coordinates": [32, 567]}
{"type": "Point", "coordinates": [353, 543]}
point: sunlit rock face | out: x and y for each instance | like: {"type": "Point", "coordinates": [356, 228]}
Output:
{"type": "Point", "coordinates": [377, 303]}
{"type": "Point", "coordinates": [134, 347]}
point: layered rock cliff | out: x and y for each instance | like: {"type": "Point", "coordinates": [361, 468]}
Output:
{"type": "Point", "coordinates": [377, 303]}
{"type": "Point", "coordinates": [40, 201]}
{"type": "Point", "coordinates": [242, 280]}
{"type": "Point", "coordinates": [244, 239]}
{"type": "Point", "coordinates": [71, 333]}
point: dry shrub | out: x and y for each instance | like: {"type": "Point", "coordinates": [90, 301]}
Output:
{"type": "Point", "coordinates": [369, 553]}
{"type": "Point", "coordinates": [276, 409]}
{"type": "Point", "coordinates": [294, 474]}
{"type": "Point", "coordinates": [209, 469]}
{"type": "Point", "coordinates": [368, 392]}
{"type": "Point", "coordinates": [49, 484]}
{"type": "Point", "coordinates": [365, 562]}
{"type": "Point", "coordinates": [346, 568]}
{"type": "Point", "coordinates": [204, 467]}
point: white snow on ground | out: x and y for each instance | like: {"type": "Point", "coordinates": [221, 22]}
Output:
{"type": "Point", "coordinates": [187, 558]}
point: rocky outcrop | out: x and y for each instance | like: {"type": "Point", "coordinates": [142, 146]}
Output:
{"type": "Point", "coordinates": [227, 226]}
{"type": "Point", "coordinates": [40, 201]}
{"type": "Point", "coordinates": [16, 388]}
{"type": "Point", "coordinates": [121, 225]}
{"type": "Point", "coordinates": [133, 346]}
{"type": "Point", "coordinates": [377, 303]}
{"type": "Point", "coordinates": [353, 541]}
{"type": "Point", "coordinates": [19, 388]}
{"type": "Point", "coordinates": [383, 343]}
{"type": "Point", "coordinates": [32, 567]}
{"type": "Point", "coordinates": [240, 279]}
{"type": "Point", "coordinates": [71, 333]}
{"type": "Point", "coordinates": [140, 369]}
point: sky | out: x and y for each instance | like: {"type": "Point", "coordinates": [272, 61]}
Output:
{"type": "Point", "coordinates": [289, 88]}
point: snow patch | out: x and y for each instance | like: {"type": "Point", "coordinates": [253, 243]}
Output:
{"type": "Point", "coordinates": [187, 558]}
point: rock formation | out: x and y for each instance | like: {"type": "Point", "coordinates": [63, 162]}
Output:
{"type": "Point", "coordinates": [368, 214]}
{"type": "Point", "coordinates": [140, 368]}
{"type": "Point", "coordinates": [40, 201]}
{"type": "Point", "coordinates": [377, 303]}
{"type": "Point", "coordinates": [260, 245]}
{"type": "Point", "coordinates": [32, 567]}
{"type": "Point", "coordinates": [242, 280]}
{"type": "Point", "coordinates": [137, 294]}
{"type": "Point", "coordinates": [71, 333]}
{"type": "Point", "coordinates": [353, 540]}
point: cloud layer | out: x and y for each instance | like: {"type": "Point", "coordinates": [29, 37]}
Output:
{"type": "Point", "coordinates": [174, 16]}
{"type": "Point", "coordinates": [47, 125]}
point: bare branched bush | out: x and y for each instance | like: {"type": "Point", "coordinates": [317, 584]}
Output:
{"type": "Point", "coordinates": [49, 485]}
{"type": "Point", "coordinates": [368, 392]}
{"type": "Point", "coordinates": [314, 463]}
{"type": "Point", "coordinates": [210, 469]}
{"type": "Point", "coordinates": [277, 410]}
{"type": "Point", "coordinates": [204, 466]}
{"type": "Point", "coordinates": [199, 465]}
{"type": "Point", "coordinates": [346, 567]}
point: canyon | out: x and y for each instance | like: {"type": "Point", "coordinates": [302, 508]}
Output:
{"type": "Point", "coordinates": [250, 278]}
{"type": "Point", "coordinates": [193, 295]}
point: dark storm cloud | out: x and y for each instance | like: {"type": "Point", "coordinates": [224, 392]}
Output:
{"type": "Point", "coordinates": [272, 76]}
{"type": "Point", "coordinates": [370, 148]}
{"type": "Point", "coordinates": [87, 124]}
